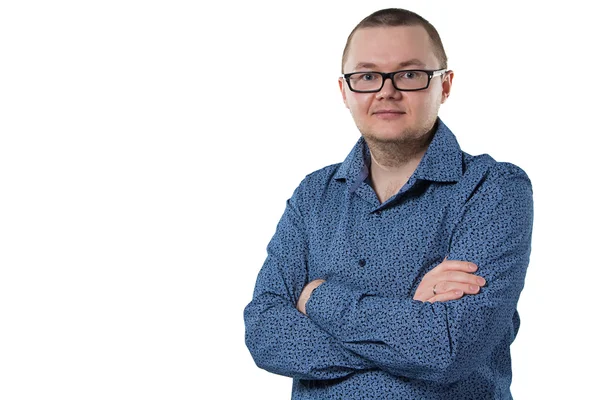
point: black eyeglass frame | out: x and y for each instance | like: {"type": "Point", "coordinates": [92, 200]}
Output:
{"type": "Point", "coordinates": [431, 73]}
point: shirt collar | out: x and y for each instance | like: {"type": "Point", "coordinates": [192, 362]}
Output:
{"type": "Point", "coordinates": [442, 161]}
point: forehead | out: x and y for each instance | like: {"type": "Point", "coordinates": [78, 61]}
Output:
{"type": "Point", "coordinates": [386, 47]}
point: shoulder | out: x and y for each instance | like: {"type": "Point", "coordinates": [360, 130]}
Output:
{"type": "Point", "coordinates": [484, 174]}
{"type": "Point", "coordinates": [496, 168]}
{"type": "Point", "coordinates": [314, 185]}
{"type": "Point", "coordinates": [318, 181]}
{"type": "Point", "coordinates": [322, 175]}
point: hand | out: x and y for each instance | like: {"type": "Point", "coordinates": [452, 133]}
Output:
{"type": "Point", "coordinates": [451, 280]}
{"type": "Point", "coordinates": [305, 295]}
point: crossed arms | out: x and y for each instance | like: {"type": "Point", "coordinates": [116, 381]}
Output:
{"type": "Point", "coordinates": [450, 280]}
{"type": "Point", "coordinates": [328, 329]}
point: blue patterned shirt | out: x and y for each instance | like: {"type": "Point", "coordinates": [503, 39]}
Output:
{"type": "Point", "coordinates": [364, 336]}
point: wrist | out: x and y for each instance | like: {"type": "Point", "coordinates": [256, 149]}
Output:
{"type": "Point", "coordinates": [307, 293]}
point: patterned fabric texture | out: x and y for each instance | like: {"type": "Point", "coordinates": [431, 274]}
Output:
{"type": "Point", "coordinates": [364, 336]}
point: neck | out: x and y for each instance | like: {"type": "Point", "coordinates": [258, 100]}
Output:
{"type": "Point", "coordinates": [399, 153]}
{"type": "Point", "coordinates": [397, 156]}
{"type": "Point", "coordinates": [393, 163]}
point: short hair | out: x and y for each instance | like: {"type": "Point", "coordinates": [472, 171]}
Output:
{"type": "Point", "coordinates": [390, 17]}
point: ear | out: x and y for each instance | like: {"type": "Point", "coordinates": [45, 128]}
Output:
{"type": "Point", "coordinates": [447, 85]}
{"type": "Point", "coordinates": [341, 84]}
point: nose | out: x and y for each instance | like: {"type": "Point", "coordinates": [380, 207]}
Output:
{"type": "Point", "coordinates": [388, 90]}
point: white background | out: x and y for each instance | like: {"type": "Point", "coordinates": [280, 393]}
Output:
{"type": "Point", "coordinates": [147, 150]}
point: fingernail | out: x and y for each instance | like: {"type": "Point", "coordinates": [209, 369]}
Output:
{"type": "Point", "coordinates": [473, 267]}
{"type": "Point", "coordinates": [481, 281]}
{"type": "Point", "coordinates": [458, 292]}
{"type": "Point", "coordinates": [473, 287]}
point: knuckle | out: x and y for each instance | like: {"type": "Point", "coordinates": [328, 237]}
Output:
{"type": "Point", "coordinates": [437, 268]}
{"type": "Point", "coordinates": [453, 275]}
{"type": "Point", "coordinates": [474, 280]}
{"type": "Point", "coordinates": [465, 266]}
{"type": "Point", "coordinates": [467, 288]}
{"type": "Point", "coordinates": [443, 286]}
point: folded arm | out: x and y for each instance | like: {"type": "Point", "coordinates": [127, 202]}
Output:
{"type": "Point", "coordinates": [443, 342]}
{"type": "Point", "coordinates": [281, 339]}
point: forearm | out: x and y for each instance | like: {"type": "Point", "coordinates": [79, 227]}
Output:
{"type": "Point", "coordinates": [443, 342]}
{"type": "Point", "coordinates": [284, 341]}
{"type": "Point", "coordinates": [280, 338]}
{"type": "Point", "coordinates": [440, 342]}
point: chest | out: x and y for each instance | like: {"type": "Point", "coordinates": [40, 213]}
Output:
{"type": "Point", "coordinates": [387, 250]}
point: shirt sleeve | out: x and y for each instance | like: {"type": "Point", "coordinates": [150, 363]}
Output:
{"type": "Point", "coordinates": [280, 338]}
{"type": "Point", "coordinates": [445, 341]}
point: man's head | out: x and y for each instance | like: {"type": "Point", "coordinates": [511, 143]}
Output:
{"type": "Point", "coordinates": [387, 41]}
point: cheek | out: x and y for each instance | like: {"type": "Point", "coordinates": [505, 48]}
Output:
{"type": "Point", "coordinates": [434, 100]}
{"type": "Point", "coordinates": [423, 104]}
{"type": "Point", "coordinates": [358, 104]}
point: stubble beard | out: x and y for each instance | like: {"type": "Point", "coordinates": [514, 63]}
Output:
{"type": "Point", "coordinates": [402, 148]}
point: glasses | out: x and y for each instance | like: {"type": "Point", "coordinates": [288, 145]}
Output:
{"type": "Point", "coordinates": [404, 80]}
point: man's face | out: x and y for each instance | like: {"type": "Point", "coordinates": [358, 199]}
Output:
{"type": "Point", "coordinates": [389, 49]}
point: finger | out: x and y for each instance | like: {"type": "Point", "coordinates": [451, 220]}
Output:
{"type": "Point", "coordinates": [426, 291]}
{"type": "Point", "coordinates": [467, 288]}
{"type": "Point", "coordinates": [463, 277]}
{"type": "Point", "coordinates": [457, 265]}
{"type": "Point", "coordinates": [447, 288]}
{"type": "Point", "coordinates": [451, 295]}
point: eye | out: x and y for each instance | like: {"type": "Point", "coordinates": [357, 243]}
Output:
{"type": "Point", "coordinates": [366, 77]}
{"type": "Point", "coordinates": [411, 75]}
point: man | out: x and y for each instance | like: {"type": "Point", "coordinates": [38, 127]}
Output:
{"type": "Point", "coordinates": [368, 290]}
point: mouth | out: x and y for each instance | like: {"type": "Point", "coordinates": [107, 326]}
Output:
{"type": "Point", "coordinates": [388, 114]}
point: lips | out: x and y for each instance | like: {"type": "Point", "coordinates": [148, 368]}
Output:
{"type": "Point", "coordinates": [389, 112]}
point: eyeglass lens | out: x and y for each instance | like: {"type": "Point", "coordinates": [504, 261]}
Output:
{"type": "Point", "coordinates": [408, 80]}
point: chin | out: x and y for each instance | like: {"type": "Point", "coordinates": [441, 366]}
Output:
{"type": "Point", "coordinates": [384, 137]}
{"type": "Point", "coordinates": [388, 133]}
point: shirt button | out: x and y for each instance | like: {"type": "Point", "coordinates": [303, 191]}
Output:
{"type": "Point", "coordinates": [362, 262]}
{"type": "Point", "coordinates": [377, 213]}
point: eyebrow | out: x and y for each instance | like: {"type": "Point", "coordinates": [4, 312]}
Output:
{"type": "Point", "coordinates": [414, 61]}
